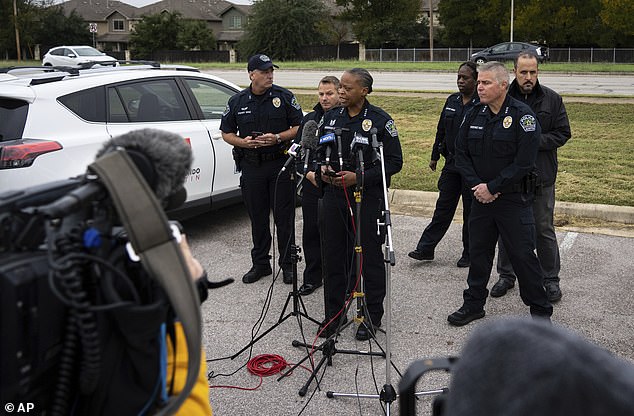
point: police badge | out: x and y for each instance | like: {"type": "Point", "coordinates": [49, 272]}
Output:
{"type": "Point", "coordinates": [508, 120]}
{"type": "Point", "coordinates": [366, 125]}
{"type": "Point", "coordinates": [390, 126]}
{"type": "Point", "coordinates": [528, 123]}
{"type": "Point", "coordinates": [277, 102]}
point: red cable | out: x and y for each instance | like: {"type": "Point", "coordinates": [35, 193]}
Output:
{"type": "Point", "coordinates": [263, 365]}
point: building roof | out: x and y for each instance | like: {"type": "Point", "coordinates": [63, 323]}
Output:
{"type": "Point", "coordinates": [99, 10]}
{"type": "Point", "coordinates": [208, 10]}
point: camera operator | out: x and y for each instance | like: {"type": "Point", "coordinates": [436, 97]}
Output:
{"type": "Point", "coordinates": [197, 403]}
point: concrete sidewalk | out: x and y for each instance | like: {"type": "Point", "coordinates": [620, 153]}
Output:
{"type": "Point", "coordinates": [422, 203]}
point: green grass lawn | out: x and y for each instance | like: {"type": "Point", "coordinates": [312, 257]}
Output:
{"type": "Point", "coordinates": [393, 66]}
{"type": "Point", "coordinates": [595, 166]}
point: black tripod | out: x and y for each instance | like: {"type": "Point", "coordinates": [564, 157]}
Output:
{"type": "Point", "coordinates": [299, 309]}
{"type": "Point", "coordinates": [328, 347]}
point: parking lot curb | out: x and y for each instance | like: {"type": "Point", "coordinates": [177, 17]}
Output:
{"type": "Point", "coordinates": [424, 202]}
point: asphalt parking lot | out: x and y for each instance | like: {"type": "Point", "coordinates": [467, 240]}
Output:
{"type": "Point", "coordinates": [597, 304]}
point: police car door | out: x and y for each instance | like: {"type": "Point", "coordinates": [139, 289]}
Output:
{"type": "Point", "coordinates": [211, 98]}
{"type": "Point", "coordinates": [159, 104]}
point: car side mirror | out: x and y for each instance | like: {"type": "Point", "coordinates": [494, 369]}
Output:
{"type": "Point", "coordinates": [72, 55]}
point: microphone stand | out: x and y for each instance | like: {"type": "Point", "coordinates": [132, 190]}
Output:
{"type": "Point", "coordinates": [328, 347]}
{"type": "Point", "coordinates": [299, 308]}
{"type": "Point", "coordinates": [388, 393]}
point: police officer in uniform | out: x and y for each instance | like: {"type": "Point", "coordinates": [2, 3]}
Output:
{"type": "Point", "coordinates": [450, 183]}
{"type": "Point", "coordinates": [553, 119]}
{"type": "Point", "coordinates": [356, 120]}
{"type": "Point", "coordinates": [328, 92]}
{"type": "Point", "coordinates": [496, 151]}
{"type": "Point", "coordinates": [259, 122]}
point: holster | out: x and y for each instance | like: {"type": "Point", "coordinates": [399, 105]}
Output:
{"type": "Point", "coordinates": [238, 156]}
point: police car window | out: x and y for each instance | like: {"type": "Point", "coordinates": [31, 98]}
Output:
{"type": "Point", "coordinates": [211, 97]}
{"type": "Point", "coordinates": [148, 101]}
{"type": "Point", "coordinates": [13, 115]}
{"type": "Point", "coordinates": [88, 104]}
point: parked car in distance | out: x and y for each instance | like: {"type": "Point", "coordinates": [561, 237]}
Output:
{"type": "Point", "coordinates": [55, 119]}
{"type": "Point", "coordinates": [508, 51]}
{"type": "Point", "coordinates": [76, 56]}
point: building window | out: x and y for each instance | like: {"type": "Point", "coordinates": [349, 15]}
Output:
{"type": "Point", "coordinates": [118, 25]}
{"type": "Point", "coordinates": [236, 22]}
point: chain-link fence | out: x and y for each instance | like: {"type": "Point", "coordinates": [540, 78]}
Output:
{"type": "Point", "coordinates": [602, 55]}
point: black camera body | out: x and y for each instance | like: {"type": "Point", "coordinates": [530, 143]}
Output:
{"type": "Point", "coordinates": [67, 288]}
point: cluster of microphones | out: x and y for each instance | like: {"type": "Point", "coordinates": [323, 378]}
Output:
{"type": "Point", "coordinates": [311, 143]}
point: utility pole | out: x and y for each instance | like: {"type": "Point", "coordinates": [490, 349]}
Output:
{"type": "Point", "coordinates": [17, 32]}
{"type": "Point", "coordinates": [512, 9]}
{"type": "Point", "coordinates": [431, 31]}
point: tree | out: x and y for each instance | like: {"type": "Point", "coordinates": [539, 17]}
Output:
{"type": "Point", "coordinates": [619, 16]}
{"type": "Point", "coordinates": [473, 23]}
{"type": "Point", "coordinates": [39, 22]}
{"type": "Point", "coordinates": [561, 23]}
{"type": "Point", "coordinates": [195, 35]}
{"type": "Point", "coordinates": [155, 32]}
{"type": "Point", "coordinates": [279, 28]}
{"type": "Point", "coordinates": [336, 30]}
{"type": "Point", "coordinates": [169, 31]}
{"type": "Point", "coordinates": [69, 30]}
{"type": "Point", "coordinates": [377, 23]}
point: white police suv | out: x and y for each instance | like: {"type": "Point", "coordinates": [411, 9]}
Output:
{"type": "Point", "coordinates": [54, 119]}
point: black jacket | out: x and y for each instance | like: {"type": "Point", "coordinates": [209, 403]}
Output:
{"type": "Point", "coordinates": [497, 149]}
{"type": "Point", "coordinates": [448, 125]}
{"type": "Point", "coordinates": [359, 127]}
{"type": "Point", "coordinates": [553, 119]}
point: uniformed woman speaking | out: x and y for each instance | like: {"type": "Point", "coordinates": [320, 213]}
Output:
{"type": "Point", "coordinates": [355, 121]}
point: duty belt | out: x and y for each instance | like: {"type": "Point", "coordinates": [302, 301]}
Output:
{"type": "Point", "coordinates": [256, 158]}
{"type": "Point", "coordinates": [529, 184]}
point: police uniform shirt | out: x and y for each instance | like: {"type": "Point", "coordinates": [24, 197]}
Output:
{"type": "Point", "coordinates": [359, 127]}
{"type": "Point", "coordinates": [451, 117]}
{"type": "Point", "coordinates": [274, 111]}
{"type": "Point", "coordinates": [497, 149]}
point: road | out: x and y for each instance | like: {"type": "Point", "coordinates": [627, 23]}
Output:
{"type": "Point", "coordinates": [597, 303]}
{"type": "Point", "coordinates": [593, 84]}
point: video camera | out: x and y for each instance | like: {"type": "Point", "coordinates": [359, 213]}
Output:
{"type": "Point", "coordinates": [81, 321]}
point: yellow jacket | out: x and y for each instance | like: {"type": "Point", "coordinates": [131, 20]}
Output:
{"type": "Point", "coordinates": [198, 401]}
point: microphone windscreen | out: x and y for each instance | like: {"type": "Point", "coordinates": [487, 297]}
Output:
{"type": "Point", "coordinates": [309, 135]}
{"type": "Point", "coordinates": [169, 157]}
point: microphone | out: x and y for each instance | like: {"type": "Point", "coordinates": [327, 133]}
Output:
{"type": "Point", "coordinates": [375, 144]}
{"type": "Point", "coordinates": [339, 150]}
{"type": "Point", "coordinates": [309, 140]}
{"type": "Point", "coordinates": [326, 141]}
{"type": "Point", "coordinates": [338, 131]}
{"type": "Point", "coordinates": [293, 152]}
{"type": "Point", "coordinates": [359, 141]}
{"type": "Point", "coordinates": [164, 159]}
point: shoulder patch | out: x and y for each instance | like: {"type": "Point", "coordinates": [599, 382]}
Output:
{"type": "Point", "coordinates": [295, 104]}
{"type": "Point", "coordinates": [227, 109]}
{"type": "Point", "coordinates": [528, 123]}
{"type": "Point", "coordinates": [390, 126]}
